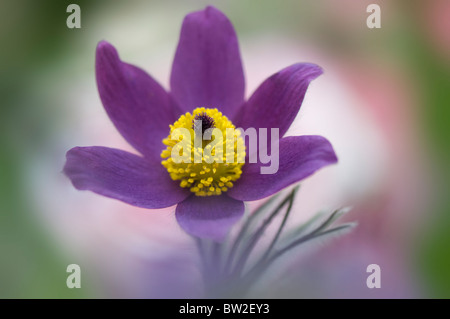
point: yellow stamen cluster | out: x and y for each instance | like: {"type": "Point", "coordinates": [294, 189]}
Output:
{"type": "Point", "coordinates": [208, 171]}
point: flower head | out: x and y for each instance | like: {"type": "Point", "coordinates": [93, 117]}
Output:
{"type": "Point", "coordinates": [207, 88]}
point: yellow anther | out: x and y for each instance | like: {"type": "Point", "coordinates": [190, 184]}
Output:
{"type": "Point", "coordinates": [213, 174]}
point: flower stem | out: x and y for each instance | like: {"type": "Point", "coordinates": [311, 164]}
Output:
{"type": "Point", "coordinates": [216, 259]}
{"type": "Point", "coordinates": [203, 259]}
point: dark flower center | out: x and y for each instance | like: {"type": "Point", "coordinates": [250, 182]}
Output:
{"type": "Point", "coordinates": [206, 122]}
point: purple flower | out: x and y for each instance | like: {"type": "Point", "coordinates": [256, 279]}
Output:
{"type": "Point", "coordinates": [207, 72]}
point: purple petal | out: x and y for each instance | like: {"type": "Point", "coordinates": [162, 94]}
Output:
{"type": "Point", "coordinates": [207, 70]}
{"type": "Point", "coordinates": [138, 106]}
{"type": "Point", "coordinates": [277, 100]}
{"type": "Point", "coordinates": [124, 176]}
{"type": "Point", "coordinates": [299, 157]}
{"type": "Point", "coordinates": [209, 217]}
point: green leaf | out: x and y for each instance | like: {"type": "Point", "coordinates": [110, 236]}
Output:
{"type": "Point", "coordinates": [254, 238]}
{"type": "Point", "coordinates": [259, 268]}
{"type": "Point", "coordinates": [313, 223]}
{"type": "Point", "coordinates": [247, 229]}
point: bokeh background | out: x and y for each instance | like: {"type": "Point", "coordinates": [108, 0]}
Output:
{"type": "Point", "coordinates": [383, 102]}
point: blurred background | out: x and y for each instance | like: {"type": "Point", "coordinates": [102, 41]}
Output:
{"type": "Point", "coordinates": [383, 102]}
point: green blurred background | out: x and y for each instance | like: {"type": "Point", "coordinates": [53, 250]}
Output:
{"type": "Point", "coordinates": [40, 59]}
